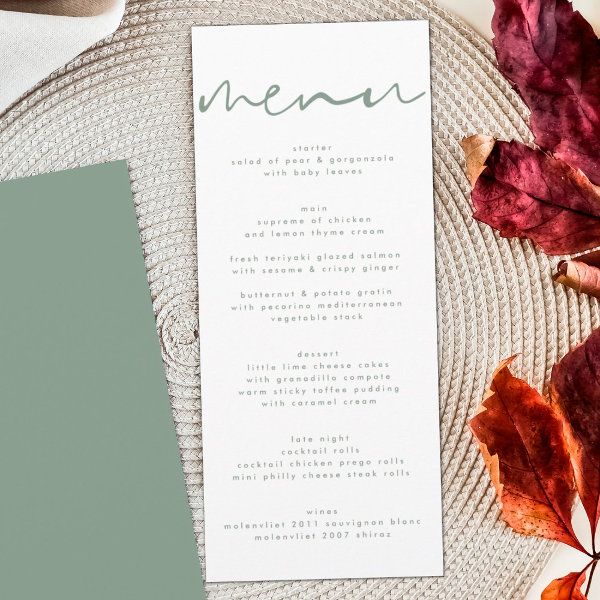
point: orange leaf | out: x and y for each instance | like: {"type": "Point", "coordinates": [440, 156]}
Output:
{"type": "Point", "coordinates": [523, 446]}
{"type": "Point", "coordinates": [566, 588]}
{"type": "Point", "coordinates": [575, 388]}
{"type": "Point", "coordinates": [477, 148]}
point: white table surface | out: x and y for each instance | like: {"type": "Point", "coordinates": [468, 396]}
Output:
{"type": "Point", "coordinates": [478, 14]}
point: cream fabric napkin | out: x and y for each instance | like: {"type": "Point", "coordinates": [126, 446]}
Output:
{"type": "Point", "coordinates": [39, 36]}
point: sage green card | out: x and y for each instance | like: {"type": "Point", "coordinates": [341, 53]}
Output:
{"type": "Point", "coordinates": [92, 494]}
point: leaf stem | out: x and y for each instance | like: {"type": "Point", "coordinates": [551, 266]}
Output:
{"type": "Point", "coordinates": [589, 583]}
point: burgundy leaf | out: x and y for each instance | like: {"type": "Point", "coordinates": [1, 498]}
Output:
{"type": "Point", "coordinates": [552, 56]}
{"type": "Point", "coordinates": [523, 192]}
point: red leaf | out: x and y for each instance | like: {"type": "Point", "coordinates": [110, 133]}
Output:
{"type": "Point", "coordinates": [523, 192]}
{"type": "Point", "coordinates": [566, 588]}
{"type": "Point", "coordinates": [575, 388]}
{"type": "Point", "coordinates": [552, 55]}
{"type": "Point", "coordinates": [522, 442]}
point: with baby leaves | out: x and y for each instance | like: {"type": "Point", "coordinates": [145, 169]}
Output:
{"type": "Point", "coordinates": [543, 451]}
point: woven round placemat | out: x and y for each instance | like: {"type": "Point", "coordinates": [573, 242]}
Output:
{"type": "Point", "coordinates": [130, 97]}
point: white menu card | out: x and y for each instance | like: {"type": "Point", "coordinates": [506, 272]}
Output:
{"type": "Point", "coordinates": [318, 341]}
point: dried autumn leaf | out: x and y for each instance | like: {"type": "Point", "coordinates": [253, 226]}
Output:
{"type": "Point", "coordinates": [552, 56]}
{"type": "Point", "coordinates": [523, 192]}
{"type": "Point", "coordinates": [566, 588]}
{"type": "Point", "coordinates": [521, 439]}
{"type": "Point", "coordinates": [575, 388]}
{"type": "Point", "coordinates": [477, 148]}
{"type": "Point", "coordinates": [576, 274]}
{"type": "Point", "coordinates": [591, 258]}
